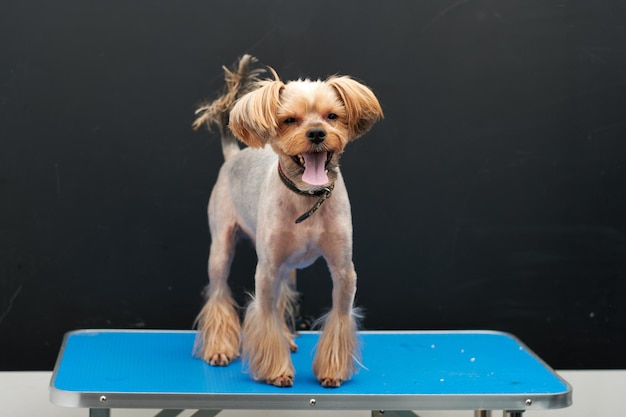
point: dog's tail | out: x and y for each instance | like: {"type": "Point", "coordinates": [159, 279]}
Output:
{"type": "Point", "coordinates": [239, 81]}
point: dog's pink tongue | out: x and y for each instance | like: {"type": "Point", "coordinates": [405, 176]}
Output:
{"type": "Point", "coordinates": [315, 168]}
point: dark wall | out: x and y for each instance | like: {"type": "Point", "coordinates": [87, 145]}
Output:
{"type": "Point", "coordinates": [492, 195]}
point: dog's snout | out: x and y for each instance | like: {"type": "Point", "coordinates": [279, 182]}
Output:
{"type": "Point", "coordinates": [316, 135]}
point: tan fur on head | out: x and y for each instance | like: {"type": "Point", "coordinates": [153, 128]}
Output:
{"type": "Point", "coordinates": [253, 118]}
{"type": "Point", "coordinates": [362, 106]}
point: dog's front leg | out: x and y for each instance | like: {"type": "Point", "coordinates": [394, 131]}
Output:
{"type": "Point", "coordinates": [266, 349]}
{"type": "Point", "coordinates": [219, 329]}
{"type": "Point", "coordinates": [337, 348]}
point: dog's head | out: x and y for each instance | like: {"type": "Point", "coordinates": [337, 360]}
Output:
{"type": "Point", "coordinates": [307, 123]}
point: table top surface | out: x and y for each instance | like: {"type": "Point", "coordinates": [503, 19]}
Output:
{"type": "Point", "coordinates": [401, 370]}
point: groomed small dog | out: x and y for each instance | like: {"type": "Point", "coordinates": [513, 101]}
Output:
{"type": "Point", "coordinates": [286, 193]}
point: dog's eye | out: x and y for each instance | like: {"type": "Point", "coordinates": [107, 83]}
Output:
{"type": "Point", "coordinates": [289, 120]}
{"type": "Point", "coordinates": [332, 116]}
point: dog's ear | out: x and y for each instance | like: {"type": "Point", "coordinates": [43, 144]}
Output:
{"type": "Point", "coordinates": [253, 117]}
{"type": "Point", "coordinates": [362, 106]}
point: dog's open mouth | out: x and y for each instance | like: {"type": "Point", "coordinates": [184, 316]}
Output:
{"type": "Point", "coordinates": [314, 165]}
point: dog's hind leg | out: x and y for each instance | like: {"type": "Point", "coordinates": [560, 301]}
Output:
{"type": "Point", "coordinates": [287, 308]}
{"type": "Point", "coordinates": [219, 328]}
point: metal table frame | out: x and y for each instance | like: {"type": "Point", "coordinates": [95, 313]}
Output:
{"type": "Point", "coordinates": [459, 370]}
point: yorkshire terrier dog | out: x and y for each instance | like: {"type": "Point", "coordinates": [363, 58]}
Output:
{"type": "Point", "coordinates": [285, 192]}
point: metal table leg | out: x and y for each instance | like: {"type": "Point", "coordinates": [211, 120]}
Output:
{"type": "Point", "coordinates": [99, 412]}
{"type": "Point", "coordinates": [206, 413]}
{"type": "Point", "coordinates": [168, 413]}
{"type": "Point", "coordinates": [199, 413]}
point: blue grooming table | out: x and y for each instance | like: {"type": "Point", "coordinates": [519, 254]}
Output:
{"type": "Point", "coordinates": [460, 370]}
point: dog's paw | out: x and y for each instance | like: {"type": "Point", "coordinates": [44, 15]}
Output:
{"type": "Point", "coordinates": [283, 381]}
{"type": "Point", "coordinates": [292, 346]}
{"type": "Point", "coordinates": [219, 359]}
{"type": "Point", "coordinates": [330, 382]}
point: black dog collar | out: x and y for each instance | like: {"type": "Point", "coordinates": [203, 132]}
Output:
{"type": "Point", "coordinates": [322, 193]}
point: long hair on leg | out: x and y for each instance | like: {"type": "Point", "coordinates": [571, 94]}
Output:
{"type": "Point", "coordinates": [287, 308]}
{"type": "Point", "coordinates": [337, 351]}
{"type": "Point", "coordinates": [219, 334]}
{"type": "Point", "coordinates": [265, 347]}
{"type": "Point", "coordinates": [219, 328]}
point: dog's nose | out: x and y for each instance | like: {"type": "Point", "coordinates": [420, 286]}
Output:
{"type": "Point", "coordinates": [316, 135]}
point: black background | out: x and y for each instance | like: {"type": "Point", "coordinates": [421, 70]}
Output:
{"type": "Point", "coordinates": [492, 196]}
